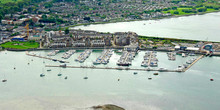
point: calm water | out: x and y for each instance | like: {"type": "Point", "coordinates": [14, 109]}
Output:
{"type": "Point", "coordinates": [197, 27]}
{"type": "Point", "coordinates": [26, 90]}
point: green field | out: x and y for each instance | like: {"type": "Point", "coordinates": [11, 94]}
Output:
{"type": "Point", "coordinates": [179, 10]}
{"type": "Point", "coordinates": [6, 1]}
{"type": "Point", "coordinates": [183, 13]}
{"type": "Point", "coordinates": [20, 45]}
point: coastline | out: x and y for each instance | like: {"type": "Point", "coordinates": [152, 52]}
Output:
{"type": "Point", "coordinates": [168, 17]}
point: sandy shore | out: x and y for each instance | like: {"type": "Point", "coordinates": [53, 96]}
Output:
{"type": "Point", "coordinates": [107, 107]}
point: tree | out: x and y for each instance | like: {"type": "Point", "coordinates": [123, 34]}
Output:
{"type": "Point", "coordinates": [44, 16]}
{"type": "Point", "coordinates": [87, 18]}
{"type": "Point", "coordinates": [174, 8]}
{"type": "Point", "coordinates": [67, 30]}
{"type": "Point", "coordinates": [176, 12]}
{"type": "Point", "coordinates": [202, 9]}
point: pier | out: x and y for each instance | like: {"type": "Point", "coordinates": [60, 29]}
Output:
{"type": "Point", "coordinates": [34, 55]}
{"type": "Point", "coordinates": [115, 68]}
{"type": "Point", "coordinates": [149, 61]}
{"type": "Point", "coordinates": [184, 70]}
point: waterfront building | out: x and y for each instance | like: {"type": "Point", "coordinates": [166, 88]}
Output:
{"type": "Point", "coordinates": [97, 43]}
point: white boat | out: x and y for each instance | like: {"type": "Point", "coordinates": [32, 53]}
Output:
{"type": "Point", "coordinates": [183, 55]}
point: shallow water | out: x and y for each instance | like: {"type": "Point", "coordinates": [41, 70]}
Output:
{"type": "Point", "coordinates": [26, 90]}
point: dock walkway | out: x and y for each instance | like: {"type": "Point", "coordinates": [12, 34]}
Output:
{"type": "Point", "coordinates": [184, 70]}
{"type": "Point", "coordinates": [149, 61]}
{"type": "Point", "coordinates": [34, 55]}
{"type": "Point", "coordinates": [113, 68]}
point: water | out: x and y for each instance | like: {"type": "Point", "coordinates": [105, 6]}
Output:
{"type": "Point", "coordinates": [196, 27]}
{"type": "Point", "coordinates": [26, 90]}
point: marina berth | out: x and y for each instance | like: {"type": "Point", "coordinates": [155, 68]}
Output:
{"type": "Point", "coordinates": [150, 59]}
{"type": "Point", "coordinates": [104, 57]}
{"type": "Point", "coordinates": [126, 58]}
{"type": "Point", "coordinates": [53, 53]}
{"type": "Point", "coordinates": [83, 56]}
{"type": "Point", "coordinates": [68, 54]}
{"type": "Point", "coordinates": [171, 56]}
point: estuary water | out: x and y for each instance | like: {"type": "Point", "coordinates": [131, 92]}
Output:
{"type": "Point", "coordinates": [196, 27]}
{"type": "Point", "coordinates": [26, 90]}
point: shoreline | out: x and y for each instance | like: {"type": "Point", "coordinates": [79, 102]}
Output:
{"type": "Point", "coordinates": [173, 16]}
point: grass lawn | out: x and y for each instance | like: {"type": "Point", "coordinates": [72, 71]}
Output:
{"type": "Point", "coordinates": [179, 10]}
{"type": "Point", "coordinates": [183, 13]}
{"type": "Point", "coordinates": [6, 1]}
{"type": "Point", "coordinates": [20, 45]}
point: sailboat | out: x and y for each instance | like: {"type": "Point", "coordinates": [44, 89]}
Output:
{"type": "Point", "coordinates": [149, 78]}
{"type": "Point", "coordinates": [4, 80]}
{"type": "Point", "coordinates": [85, 77]}
{"type": "Point", "coordinates": [60, 74]}
{"type": "Point", "coordinates": [14, 67]}
{"type": "Point", "coordinates": [42, 74]}
{"type": "Point", "coordinates": [65, 77]}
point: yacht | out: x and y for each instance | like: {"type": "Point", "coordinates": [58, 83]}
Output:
{"type": "Point", "coordinates": [49, 70]}
{"type": "Point", "coordinates": [4, 80]}
{"type": "Point", "coordinates": [183, 55]}
{"type": "Point", "coordinates": [42, 75]}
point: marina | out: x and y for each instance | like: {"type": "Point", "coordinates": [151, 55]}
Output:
{"type": "Point", "coordinates": [83, 56]}
{"type": "Point", "coordinates": [114, 77]}
{"type": "Point", "coordinates": [125, 59]}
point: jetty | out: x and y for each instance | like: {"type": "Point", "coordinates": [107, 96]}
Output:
{"type": "Point", "coordinates": [114, 68]}
{"type": "Point", "coordinates": [185, 69]}
{"type": "Point", "coordinates": [43, 57]}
